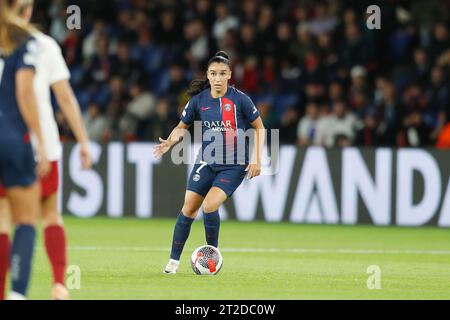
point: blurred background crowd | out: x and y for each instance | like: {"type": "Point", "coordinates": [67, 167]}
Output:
{"type": "Point", "coordinates": [312, 67]}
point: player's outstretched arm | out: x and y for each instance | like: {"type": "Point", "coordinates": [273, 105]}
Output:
{"type": "Point", "coordinates": [71, 110]}
{"type": "Point", "coordinates": [26, 100]}
{"type": "Point", "coordinates": [174, 137]}
{"type": "Point", "coordinates": [254, 168]}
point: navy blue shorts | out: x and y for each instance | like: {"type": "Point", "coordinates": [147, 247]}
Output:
{"type": "Point", "coordinates": [226, 177]}
{"type": "Point", "coordinates": [17, 165]}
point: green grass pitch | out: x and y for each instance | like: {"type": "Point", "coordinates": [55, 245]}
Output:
{"type": "Point", "coordinates": [124, 259]}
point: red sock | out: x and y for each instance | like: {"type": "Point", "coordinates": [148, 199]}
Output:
{"type": "Point", "coordinates": [5, 247]}
{"type": "Point", "coordinates": [55, 244]}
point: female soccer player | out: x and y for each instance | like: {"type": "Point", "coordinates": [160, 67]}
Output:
{"type": "Point", "coordinates": [51, 73]}
{"type": "Point", "coordinates": [18, 118]}
{"type": "Point", "coordinates": [224, 111]}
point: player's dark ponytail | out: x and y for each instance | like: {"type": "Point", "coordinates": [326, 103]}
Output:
{"type": "Point", "coordinates": [199, 85]}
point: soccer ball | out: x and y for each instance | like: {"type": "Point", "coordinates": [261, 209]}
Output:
{"type": "Point", "coordinates": [206, 260]}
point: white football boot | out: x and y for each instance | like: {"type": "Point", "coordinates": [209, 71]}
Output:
{"type": "Point", "coordinates": [16, 296]}
{"type": "Point", "coordinates": [172, 267]}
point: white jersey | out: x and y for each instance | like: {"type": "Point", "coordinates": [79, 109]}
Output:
{"type": "Point", "coordinates": [50, 68]}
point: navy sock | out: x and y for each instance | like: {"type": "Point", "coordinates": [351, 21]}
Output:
{"type": "Point", "coordinates": [21, 257]}
{"type": "Point", "coordinates": [212, 226]}
{"type": "Point", "coordinates": [180, 235]}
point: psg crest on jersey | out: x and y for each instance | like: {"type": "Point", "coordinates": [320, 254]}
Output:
{"type": "Point", "coordinates": [227, 107]}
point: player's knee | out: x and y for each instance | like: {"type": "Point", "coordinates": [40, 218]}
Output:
{"type": "Point", "coordinates": [189, 211]}
{"type": "Point", "coordinates": [50, 218]}
{"type": "Point", "coordinates": [209, 207]}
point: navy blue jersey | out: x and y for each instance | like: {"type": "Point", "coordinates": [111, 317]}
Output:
{"type": "Point", "coordinates": [12, 126]}
{"type": "Point", "coordinates": [223, 120]}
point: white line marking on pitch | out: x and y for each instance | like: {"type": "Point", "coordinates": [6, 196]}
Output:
{"type": "Point", "coordinates": [270, 250]}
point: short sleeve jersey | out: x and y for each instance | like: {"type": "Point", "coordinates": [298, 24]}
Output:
{"type": "Point", "coordinates": [224, 120]}
{"type": "Point", "coordinates": [12, 125]}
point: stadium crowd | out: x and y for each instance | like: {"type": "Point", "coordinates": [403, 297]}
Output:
{"type": "Point", "coordinates": [314, 69]}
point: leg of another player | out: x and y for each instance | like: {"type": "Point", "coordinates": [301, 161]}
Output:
{"type": "Point", "coordinates": [24, 207]}
{"type": "Point", "coordinates": [192, 203]}
{"type": "Point", "coordinates": [55, 245]}
{"type": "Point", "coordinates": [5, 246]}
{"type": "Point", "coordinates": [214, 199]}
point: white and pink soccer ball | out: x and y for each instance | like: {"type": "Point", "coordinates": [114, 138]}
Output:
{"type": "Point", "coordinates": [206, 260]}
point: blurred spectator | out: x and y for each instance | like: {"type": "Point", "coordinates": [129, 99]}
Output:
{"type": "Point", "coordinates": [57, 12]}
{"type": "Point", "coordinates": [249, 11]}
{"type": "Point", "coordinates": [389, 109]}
{"type": "Point", "coordinates": [417, 132]}
{"type": "Point", "coordinates": [177, 83]}
{"type": "Point", "coordinates": [438, 94]}
{"type": "Point", "coordinates": [414, 98]}
{"type": "Point", "coordinates": [354, 49]}
{"type": "Point", "coordinates": [247, 75]}
{"type": "Point", "coordinates": [126, 67]}
{"type": "Point", "coordinates": [284, 39]}
{"type": "Point", "coordinates": [95, 123]}
{"type": "Point", "coordinates": [167, 30]}
{"type": "Point", "coordinates": [307, 127]}
{"type": "Point", "coordinates": [304, 42]}
{"type": "Point", "coordinates": [139, 110]}
{"type": "Point", "coordinates": [340, 123]}
{"type": "Point", "coordinates": [360, 105]}
{"type": "Point", "coordinates": [101, 66]}
{"type": "Point", "coordinates": [205, 12]}
{"type": "Point", "coordinates": [328, 55]}
{"type": "Point", "coordinates": [440, 41]}
{"type": "Point", "coordinates": [342, 141]}
{"type": "Point", "coordinates": [336, 92]}
{"type": "Point", "coordinates": [117, 98]}
{"type": "Point", "coordinates": [289, 79]}
{"type": "Point", "coordinates": [421, 67]}
{"type": "Point", "coordinates": [266, 29]}
{"type": "Point", "coordinates": [249, 44]}
{"type": "Point", "coordinates": [197, 42]}
{"type": "Point", "coordinates": [160, 124]}
{"type": "Point", "coordinates": [90, 42]}
{"type": "Point", "coordinates": [371, 134]}
{"type": "Point", "coordinates": [288, 126]}
{"type": "Point", "coordinates": [324, 20]}
{"type": "Point", "coordinates": [224, 22]}
{"type": "Point", "coordinates": [72, 48]}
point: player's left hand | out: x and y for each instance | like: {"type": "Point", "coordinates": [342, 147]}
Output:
{"type": "Point", "coordinates": [254, 170]}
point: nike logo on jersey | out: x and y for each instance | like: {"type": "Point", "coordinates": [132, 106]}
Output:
{"type": "Point", "coordinates": [205, 108]}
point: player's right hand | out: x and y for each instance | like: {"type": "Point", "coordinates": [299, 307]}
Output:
{"type": "Point", "coordinates": [85, 156]}
{"type": "Point", "coordinates": [43, 165]}
{"type": "Point", "coordinates": [160, 149]}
